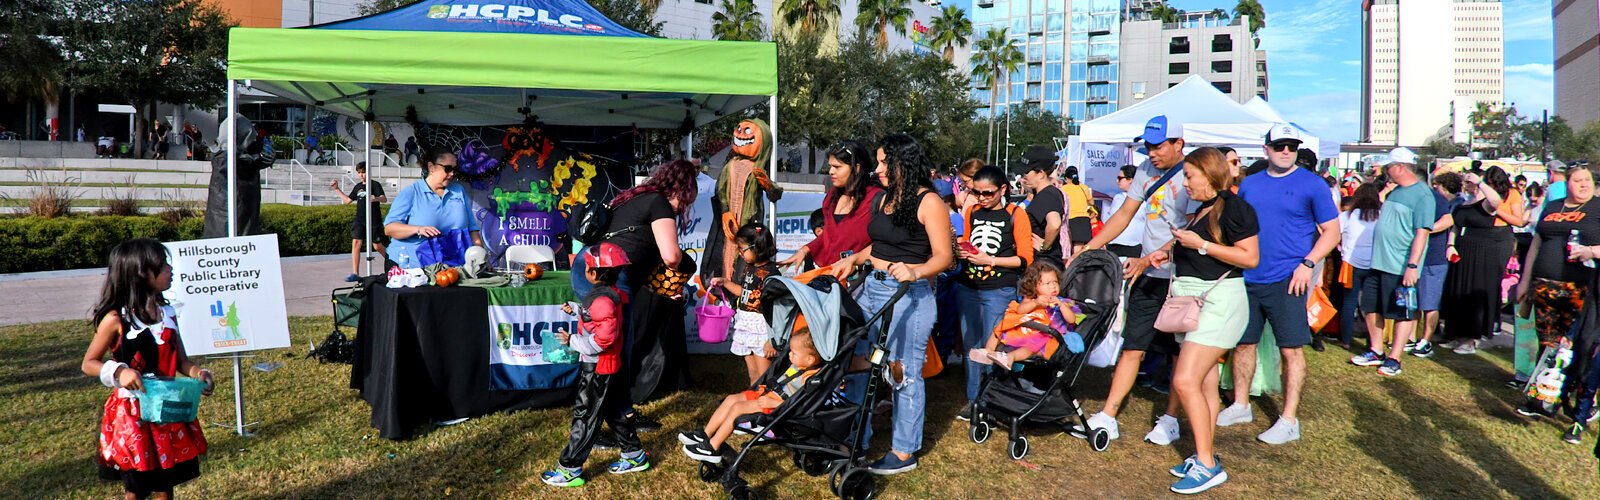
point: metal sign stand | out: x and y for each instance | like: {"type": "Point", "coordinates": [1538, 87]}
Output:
{"type": "Point", "coordinates": [239, 423]}
{"type": "Point", "coordinates": [231, 136]}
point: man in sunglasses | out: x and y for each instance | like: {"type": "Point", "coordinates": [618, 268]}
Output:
{"type": "Point", "coordinates": [1299, 227]}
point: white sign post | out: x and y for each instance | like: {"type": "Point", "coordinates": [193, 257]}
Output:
{"type": "Point", "coordinates": [229, 296]}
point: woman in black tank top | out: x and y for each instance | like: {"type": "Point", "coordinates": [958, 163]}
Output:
{"type": "Point", "coordinates": [911, 243]}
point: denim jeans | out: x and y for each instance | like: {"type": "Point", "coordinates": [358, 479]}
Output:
{"type": "Point", "coordinates": [913, 321]}
{"type": "Point", "coordinates": [980, 312]}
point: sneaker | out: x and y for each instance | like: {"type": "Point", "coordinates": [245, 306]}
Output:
{"type": "Point", "coordinates": [1237, 413]}
{"type": "Point", "coordinates": [1533, 409]}
{"type": "Point", "coordinates": [1390, 368]}
{"type": "Point", "coordinates": [1316, 344]}
{"type": "Point", "coordinates": [1516, 384]}
{"type": "Point", "coordinates": [1467, 347]}
{"type": "Point", "coordinates": [352, 278]}
{"type": "Point", "coordinates": [693, 437]}
{"type": "Point", "coordinates": [702, 452]}
{"type": "Point", "coordinates": [563, 477]}
{"type": "Point", "coordinates": [642, 423]}
{"type": "Point", "coordinates": [1411, 345]}
{"type": "Point", "coordinates": [626, 465]}
{"type": "Point", "coordinates": [1424, 350]}
{"type": "Point", "coordinates": [1574, 435]}
{"type": "Point", "coordinates": [1182, 469]}
{"type": "Point", "coordinates": [1369, 358]}
{"type": "Point", "coordinates": [1281, 432]}
{"type": "Point", "coordinates": [1165, 431]}
{"type": "Point", "coordinates": [892, 464]}
{"type": "Point", "coordinates": [966, 414]}
{"type": "Point", "coordinates": [1200, 478]}
{"type": "Point", "coordinates": [1103, 421]}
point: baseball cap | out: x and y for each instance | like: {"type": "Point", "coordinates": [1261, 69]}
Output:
{"type": "Point", "coordinates": [943, 187]}
{"type": "Point", "coordinates": [1159, 129]}
{"type": "Point", "coordinates": [1283, 132]}
{"type": "Point", "coordinates": [1039, 158]}
{"type": "Point", "coordinates": [1401, 155]}
{"type": "Point", "coordinates": [1555, 166]}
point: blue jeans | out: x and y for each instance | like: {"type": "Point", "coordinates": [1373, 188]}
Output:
{"type": "Point", "coordinates": [980, 310]}
{"type": "Point", "coordinates": [913, 321]}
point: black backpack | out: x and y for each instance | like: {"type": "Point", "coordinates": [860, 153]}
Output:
{"type": "Point", "coordinates": [588, 222]}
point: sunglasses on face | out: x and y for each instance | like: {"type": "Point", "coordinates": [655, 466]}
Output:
{"type": "Point", "coordinates": [1290, 147]}
{"type": "Point", "coordinates": [985, 194]}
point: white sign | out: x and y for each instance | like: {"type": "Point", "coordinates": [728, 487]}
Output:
{"type": "Point", "coordinates": [794, 222]}
{"type": "Point", "coordinates": [229, 294]}
{"type": "Point", "coordinates": [698, 225]}
{"type": "Point", "coordinates": [1100, 165]}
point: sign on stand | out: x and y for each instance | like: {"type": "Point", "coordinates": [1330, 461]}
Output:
{"type": "Point", "coordinates": [229, 294]}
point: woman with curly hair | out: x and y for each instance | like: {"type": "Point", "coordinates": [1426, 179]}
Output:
{"type": "Point", "coordinates": [644, 223]}
{"type": "Point", "coordinates": [910, 243]}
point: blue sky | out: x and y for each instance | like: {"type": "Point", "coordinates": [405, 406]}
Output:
{"type": "Point", "coordinates": [1314, 59]}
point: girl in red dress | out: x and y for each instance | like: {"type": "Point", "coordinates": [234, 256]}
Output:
{"type": "Point", "coordinates": [134, 324]}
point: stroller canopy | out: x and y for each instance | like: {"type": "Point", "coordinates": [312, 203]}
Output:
{"type": "Point", "coordinates": [1095, 277]}
{"type": "Point", "coordinates": [822, 302]}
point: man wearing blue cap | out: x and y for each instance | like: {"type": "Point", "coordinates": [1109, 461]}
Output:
{"type": "Point", "coordinates": [1158, 195]}
{"type": "Point", "coordinates": [1293, 206]}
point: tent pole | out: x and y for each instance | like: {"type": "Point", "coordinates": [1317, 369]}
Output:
{"type": "Point", "coordinates": [366, 194]}
{"type": "Point", "coordinates": [233, 159]}
{"type": "Point", "coordinates": [772, 163]}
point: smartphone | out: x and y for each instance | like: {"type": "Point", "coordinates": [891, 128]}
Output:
{"type": "Point", "coordinates": [967, 246]}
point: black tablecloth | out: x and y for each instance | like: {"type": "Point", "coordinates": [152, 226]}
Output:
{"type": "Point", "coordinates": [422, 355]}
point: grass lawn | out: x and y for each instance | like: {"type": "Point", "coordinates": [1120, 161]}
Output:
{"type": "Point", "coordinates": [1444, 429]}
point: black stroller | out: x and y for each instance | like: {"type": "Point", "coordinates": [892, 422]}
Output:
{"type": "Point", "coordinates": [1041, 392]}
{"type": "Point", "coordinates": [821, 428]}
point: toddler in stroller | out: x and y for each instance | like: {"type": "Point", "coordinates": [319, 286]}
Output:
{"type": "Point", "coordinates": [706, 446]}
{"type": "Point", "coordinates": [1017, 336]}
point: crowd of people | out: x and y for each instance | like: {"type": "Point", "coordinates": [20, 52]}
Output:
{"type": "Point", "coordinates": [1422, 260]}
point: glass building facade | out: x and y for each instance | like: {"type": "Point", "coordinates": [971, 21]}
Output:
{"type": "Point", "coordinates": [1070, 54]}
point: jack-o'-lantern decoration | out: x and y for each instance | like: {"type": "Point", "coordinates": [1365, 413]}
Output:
{"type": "Point", "coordinates": [748, 139]}
{"type": "Point", "coordinates": [533, 272]}
{"type": "Point", "coordinates": [447, 277]}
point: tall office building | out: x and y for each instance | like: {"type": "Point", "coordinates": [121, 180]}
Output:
{"type": "Point", "coordinates": [288, 13]}
{"type": "Point", "coordinates": [1426, 61]}
{"type": "Point", "coordinates": [1577, 56]}
{"type": "Point", "coordinates": [1159, 55]}
{"type": "Point", "coordinates": [1070, 52]}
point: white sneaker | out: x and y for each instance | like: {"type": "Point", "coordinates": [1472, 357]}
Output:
{"type": "Point", "coordinates": [1466, 348]}
{"type": "Point", "coordinates": [1237, 413]}
{"type": "Point", "coordinates": [1165, 431]}
{"type": "Point", "coordinates": [1103, 421]}
{"type": "Point", "coordinates": [1281, 432]}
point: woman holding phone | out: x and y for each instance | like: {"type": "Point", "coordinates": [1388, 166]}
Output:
{"type": "Point", "coordinates": [997, 247]}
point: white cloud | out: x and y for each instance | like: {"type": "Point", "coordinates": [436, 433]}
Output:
{"type": "Point", "coordinates": [1333, 116]}
{"type": "Point", "coordinates": [1352, 62]}
{"type": "Point", "coordinates": [1532, 69]}
{"type": "Point", "coordinates": [1307, 34]}
{"type": "Point", "coordinates": [1527, 20]}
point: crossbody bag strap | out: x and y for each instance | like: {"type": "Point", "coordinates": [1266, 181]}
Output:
{"type": "Point", "coordinates": [1161, 182]}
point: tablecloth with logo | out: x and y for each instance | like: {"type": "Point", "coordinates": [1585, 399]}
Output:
{"type": "Point", "coordinates": [433, 354]}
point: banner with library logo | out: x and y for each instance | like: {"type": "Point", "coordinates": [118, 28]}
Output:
{"type": "Point", "coordinates": [524, 353]}
{"type": "Point", "coordinates": [229, 294]}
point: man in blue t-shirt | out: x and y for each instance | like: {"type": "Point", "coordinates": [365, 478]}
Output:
{"type": "Point", "coordinates": [1399, 243]}
{"type": "Point", "coordinates": [1299, 227]}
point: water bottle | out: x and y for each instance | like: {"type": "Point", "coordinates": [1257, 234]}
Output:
{"type": "Point", "coordinates": [1572, 245]}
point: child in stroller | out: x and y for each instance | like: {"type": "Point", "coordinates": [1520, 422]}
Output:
{"type": "Point", "coordinates": [1015, 337]}
{"type": "Point", "coordinates": [706, 446]}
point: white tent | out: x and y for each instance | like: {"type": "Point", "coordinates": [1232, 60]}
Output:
{"type": "Point", "coordinates": [1209, 118]}
{"type": "Point", "coordinates": [1260, 106]}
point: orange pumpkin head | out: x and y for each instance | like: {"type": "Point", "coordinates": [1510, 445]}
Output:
{"type": "Point", "coordinates": [748, 139]}
{"type": "Point", "coordinates": [447, 277]}
{"type": "Point", "coordinates": [533, 272]}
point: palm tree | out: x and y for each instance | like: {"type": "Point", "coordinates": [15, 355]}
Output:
{"type": "Point", "coordinates": [1165, 13]}
{"type": "Point", "coordinates": [950, 29]}
{"type": "Point", "coordinates": [1252, 8]}
{"type": "Point", "coordinates": [997, 56]}
{"type": "Point", "coordinates": [737, 20]}
{"type": "Point", "coordinates": [813, 16]}
{"type": "Point", "coordinates": [880, 16]}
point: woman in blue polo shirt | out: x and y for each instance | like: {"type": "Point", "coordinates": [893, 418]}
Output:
{"type": "Point", "coordinates": [431, 221]}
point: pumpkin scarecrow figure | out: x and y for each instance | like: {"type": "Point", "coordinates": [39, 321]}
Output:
{"type": "Point", "coordinates": [737, 199]}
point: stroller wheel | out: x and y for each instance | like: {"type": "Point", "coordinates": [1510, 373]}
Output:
{"type": "Point", "coordinates": [810, 464]}
{"type": "Point", "coordinates": [1019, 447]}
{"type": "Point", "coordinates": [710, 472]}
{"type": "Point", "coordinates": [980, 431]}
{"type": "Point", "coordinates": [1100, 440]}
{"type": "Point", "coordinates": [857, 484]}
{"type": "Point", "coordinates": [742, 491]}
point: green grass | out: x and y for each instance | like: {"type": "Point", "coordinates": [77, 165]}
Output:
{"type": "Point", "coordinates": [1444, 429]}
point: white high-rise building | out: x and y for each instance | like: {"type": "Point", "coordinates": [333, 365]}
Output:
{"type": "Point", "coordinates": [1425, 61]}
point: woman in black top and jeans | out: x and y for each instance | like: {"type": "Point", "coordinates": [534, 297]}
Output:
{"type": "Point", "coordinates": [911, 243]}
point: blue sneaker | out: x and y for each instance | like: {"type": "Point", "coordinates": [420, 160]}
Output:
{"type": "Point", "coordinates": [1390, 368]}
{"type": "Point", "coordinates": [1200, 478]}
{"type": "Point", "coordinates": [626, 465]}
{"type": "Point", "coordinates": [1183, 469]}
{"type": "Point", "coordinates": [1368, 358]}
{"type": "Point", "coordinates": [892, 464]}
{"type": "Point", "coordinates": [352, 278]}
{"type": "Point", "coordinates": [563, 477]}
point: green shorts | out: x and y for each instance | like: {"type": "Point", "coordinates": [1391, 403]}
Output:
{"type": "Point", "coordinates": [1225, 315]}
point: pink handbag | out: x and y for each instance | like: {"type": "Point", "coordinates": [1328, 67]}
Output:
{"type": "Point", "coordinates": [1182, 314]}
